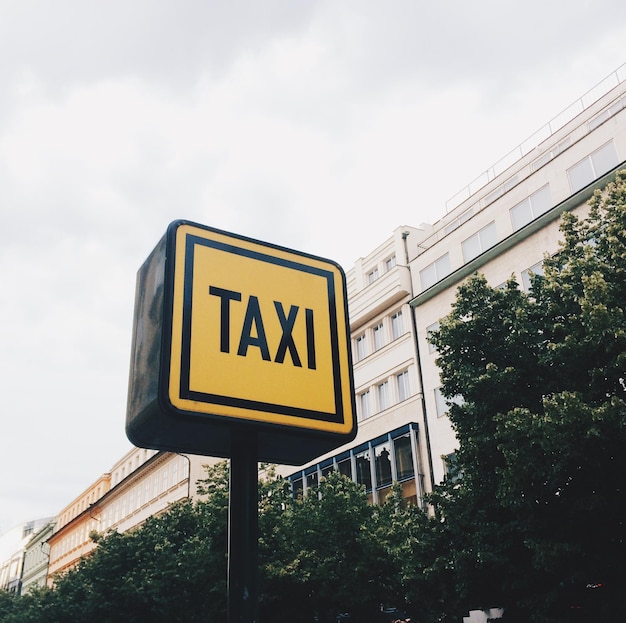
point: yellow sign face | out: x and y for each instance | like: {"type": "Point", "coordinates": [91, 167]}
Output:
{"type": "Point", "coordinates": [259, 333]}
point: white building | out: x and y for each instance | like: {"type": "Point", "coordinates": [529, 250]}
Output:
{"type": "Point", "coordinates": [502, 224]}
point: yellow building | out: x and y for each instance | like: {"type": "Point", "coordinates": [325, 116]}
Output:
{"type": "Point", "coordinates": [141, 484]}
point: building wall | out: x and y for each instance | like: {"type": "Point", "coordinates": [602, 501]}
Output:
{"type": "Point", "coordinates": [142, 483]}
{"type": "Point", "coordinates": [36, 557]}
{"type": "Point", "coordinates": [502, 226]}
{"type": "Point", "coordinates": [599, 134]}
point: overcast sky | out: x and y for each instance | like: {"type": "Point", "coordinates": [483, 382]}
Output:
{"type": "Point", "coordinates": [320, 126]}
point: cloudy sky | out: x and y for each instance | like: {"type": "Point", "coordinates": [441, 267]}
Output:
{"type": "Point", "coordinates": [316, 125]}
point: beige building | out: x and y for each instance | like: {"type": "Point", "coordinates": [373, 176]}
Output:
{"type": "Point", "coordinates": [141, 484]}
{"type": "Point", "coordinates": [501, 225]}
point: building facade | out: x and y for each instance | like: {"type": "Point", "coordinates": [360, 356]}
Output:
{"type": "Point", "coordinates": [141, 484]}
{"type": "Point", "coordinates": [36, 557]}
{"type": "Point", "coordinates": [13, 545]}
{"type": "Point", "coordinates": [501, 225]}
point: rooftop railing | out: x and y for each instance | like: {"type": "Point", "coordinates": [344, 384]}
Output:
{"type": "Point", "coordinates": [580, 105]}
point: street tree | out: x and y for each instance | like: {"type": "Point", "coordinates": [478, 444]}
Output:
{"type": "Point", "coordinates": [535, 520]}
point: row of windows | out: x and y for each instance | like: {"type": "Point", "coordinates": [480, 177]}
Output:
{"type": "Point", "coordinates": [374, 338]}
{"type": "Point", "coordinates": [580, 175]}
{"type": "Point", "coordinates": [147, 490]}
{"type": "Point", "coordinates": [381, 396]}
{"type": "Point", "coordinates": [382, 268]}
{"type": "Point", "coordinates": [375, 464]}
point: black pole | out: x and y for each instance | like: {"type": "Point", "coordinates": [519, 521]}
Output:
{"type": "Point", "coordinates": [243, 527]}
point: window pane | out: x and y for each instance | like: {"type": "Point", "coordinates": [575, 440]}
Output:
{"type": "Point", "coordinates": [541, 201]}
{"type": "Point", "coordinates": [521, 214]}
{"type": "Point", "coordinates": [345, 467]}
{"type": "Point", "coordinates": [580, 175]}
{"type": "Point", "coordinates": [364, 399]}
{"type": "Point", "coordinates": [429, 328]}
{"type": "Point", "coordinates": [443, 266]}
{"type": "Point", "coordinates": [428, 276]}
{"type": "Point", "coordinates": [604, 159]}
{"type": "Point", "coordinates": [361, 348]}
{"type": "Point", "coordinates": [383, 396]}
{"type": "Point", "coordinates": [471, 247]}
{"type": "Point", "coordinates": [383, 465]}
{"type": "Point", "coordinates": [396, 325]}
{"type": "Point", "coordinates": [363, 473]}
{"type": "Point", "coordinates": [297, 487]}
{"type": "Point", "coordinates": [404, 456]}
{"type": "Point", "coordinates": [403, 385]}
{"type": "Point", "coordinates": [379, 337]}
{"type": "Point", "coordinates": [312, 480]}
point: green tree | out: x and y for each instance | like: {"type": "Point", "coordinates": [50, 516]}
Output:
{"type": "Point", "coordinates": [537, 516]}
{"type": "Point", "coordinates": [325, 558]}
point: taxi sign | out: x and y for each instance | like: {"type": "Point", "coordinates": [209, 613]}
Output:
{"type": "Point", "coordinates": [232, 334]}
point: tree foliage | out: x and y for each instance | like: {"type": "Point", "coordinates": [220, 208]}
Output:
{"type": "Point", "coordinates": [536, 521]}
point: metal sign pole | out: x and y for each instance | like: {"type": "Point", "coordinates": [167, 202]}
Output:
{"type": "Point", "coordinates": [243, 521]}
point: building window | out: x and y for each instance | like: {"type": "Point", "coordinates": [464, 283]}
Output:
{"type": "Point", "coordinates": [536, 269]}
{"type": "Point", "coordinates": [429, 329]}
{"type": "Point", "coordinates": [383, 465]}
{"type": "Point", "coordinates": [297, 487]}
{"type": "Point", "coordinates": [479, 242]}
{"type": "Point", "coordinates": [364, 401]}
{"type": "Point", "coordinates": [361, 347]}
{"type": "Point", "coordinates": [397, 328]}
{"type": "Point", "coordinates": [363, 469]}
{"type": "Point", "coordinates": [383, 395]}
{"type": "Point", "coordinates": [451, 469]}
{"type": "Point", "coordinates": [372, 275]}
{"type": "Point", "coordinates": [312, 478]}
{"type": "Point", "coordinates": [390, 262]}
{"type": "Point", "coordinates": [443, 404]}
{"type": "Point", "coordinates": [436, 271]}
{"type": "Point", "coordinates": [537, 204]}
{"type": "Point", "coordinates": [344, 467]}
{"type": "Point", "coordinates": [402, 380]}
{"type": "Point", "coordinates": [379, 336]}
{"type": "Point", "coordinates": [404, 456]}
{"type": "Point", "coordinates": [592, 167]}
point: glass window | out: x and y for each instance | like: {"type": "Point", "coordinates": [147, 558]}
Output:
{"type": "Point", "coordinates": [379, 336]}
{"type": "Point", "coordinates": [390, 262]}
{"type": "Point", "coordinates": [450, 467]}
{"type": "Point", "coordinates": [383, 395]}
{"type": "Point", "coordinates": [361, 347]}
{"type": "Point", "coordinates": [297, 487]}
{"type": "Point", "coordinates": [404, 456]}
{"type": "Point", "coordinates": [345, 467]}
{"type": "Point", "coordinates": [593, 166]}
{"type": "Point", "coordinates": [402, 379]}
{"type": "Point", "coordinates": [383, 465]}
{"type": "Point", "coordinates": [435, 271]}
{"type": "Point", "coordinates": [537, 204]}
{"type": "Point", "coordinates": [312, 479]}
{"type": "Point", "coordinates": [372, 275]}
{"type": "Point", "coordinates": [397, 328]}
{"type": "Point", "coordinates": [364, 401]}
{"type": "Point", "coordinates": [363, 471]}
{"type": "Point", "coordinates": [479, 242]}
{"type": "Point", "coordinates": [327, 470]}
{"type": "Point", "coordinates": [536, 269]}
{"type": "Point", "coordinates": [443, 404]}
{"type": "Point", "coordinates": [433, 327]}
